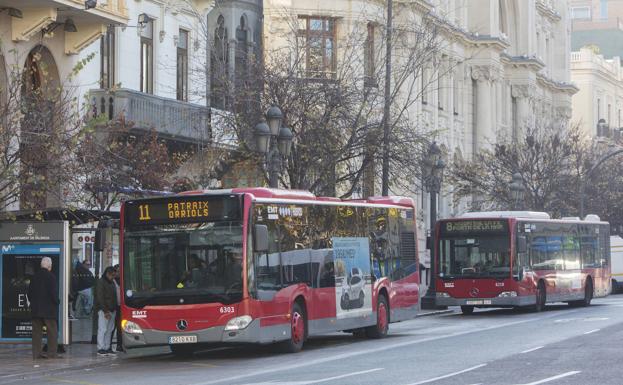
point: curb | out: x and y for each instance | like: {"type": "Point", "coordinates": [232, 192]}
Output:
{"type": "Point", "coordinates": [436, 312]}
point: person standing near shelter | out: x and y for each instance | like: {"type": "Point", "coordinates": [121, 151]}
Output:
{"type": "Point", "coordinates": [105, 305]}
{"type": "Point", "coordinates": [44, 301]}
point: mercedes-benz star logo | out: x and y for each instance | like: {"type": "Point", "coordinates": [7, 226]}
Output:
{"type": "Point", "coordinates": [474, 292]}
{"type": "Point", "coordinates": [182, 324]}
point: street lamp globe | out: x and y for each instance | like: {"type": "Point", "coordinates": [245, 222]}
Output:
{"type": "Point", "coordinates": [285, 141]}
{"type": "Point", "coordinates": [262, 136]}
{"type": "Point", "coordinates": [517, 189]}
{"type": "Point", "coordinates": [274, 117]}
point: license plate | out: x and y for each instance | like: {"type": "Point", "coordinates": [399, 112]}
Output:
{"type": "Point", "coordinates": [183, 339]}
{"type": "Point", "coordinates": [478, 302]}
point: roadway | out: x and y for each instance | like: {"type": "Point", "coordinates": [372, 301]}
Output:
{"type": "Point", "coordinates": [562, 345]}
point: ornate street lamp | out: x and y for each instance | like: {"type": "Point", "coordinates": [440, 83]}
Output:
{"type": "Point", "coordinates": [517, 191]}
{"type": "Point", "coordinates": [433, 165]}
{"type": "Point", "coordinates": [275, 142]}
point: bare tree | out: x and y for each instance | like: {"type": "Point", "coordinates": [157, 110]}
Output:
{"type": "Point", "coordinates": [332, 99]}
{"type": "Point", "coordinates": [551, 163]}
{"type": "Point", "coordinates": [40, 126]}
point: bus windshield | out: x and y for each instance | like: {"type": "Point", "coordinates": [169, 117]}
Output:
{"type": "Point", "coordinates": [474, 255]}
{"type": "Point", "coordinates": [183, 263]}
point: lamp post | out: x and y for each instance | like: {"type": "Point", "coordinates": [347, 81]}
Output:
{"type": "Point", "coordinates": [432, 174]}
{"type": "Point", "coordinates": [275, 142]}
{"type": "Point", "coordinates": [517, 191]}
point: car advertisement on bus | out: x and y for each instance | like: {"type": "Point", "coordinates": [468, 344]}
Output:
{"type": "Point", "coordinates": [353, 291]}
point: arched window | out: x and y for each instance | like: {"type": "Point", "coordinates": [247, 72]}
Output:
{"type": "Point", "coordinates": [219, 65]}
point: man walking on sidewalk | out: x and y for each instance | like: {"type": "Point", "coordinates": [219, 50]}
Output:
{"type": "Point", "coordinates": [105, 305]}
{"type": "Point", "coordinates": [43, 296]}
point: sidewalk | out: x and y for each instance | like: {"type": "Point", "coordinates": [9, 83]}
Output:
{"type": "Point", "coordinates": [16, 361]}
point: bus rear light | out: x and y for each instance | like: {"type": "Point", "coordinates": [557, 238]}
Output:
{"type": "Point", "coordinates": [130, 327]}
{"type": "Point", "coordinates": [443, 295]}
{"type": "Point", "coordinates": [508, 294]}
{"type": "Point", "coordinates": [238, 323]}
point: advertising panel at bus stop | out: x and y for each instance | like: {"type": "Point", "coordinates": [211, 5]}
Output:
{"type": "Point", "coordinates": [22, 246]}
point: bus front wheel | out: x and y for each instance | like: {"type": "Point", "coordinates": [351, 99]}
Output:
{"type": "Point", "coordinates": [541, 298]}
{"type": "Point", "coordinates": [382, 319]}
{"type": "Point", "coordinates": [298, 332]}
{"type": "Point", "coordinates": [467, 310]}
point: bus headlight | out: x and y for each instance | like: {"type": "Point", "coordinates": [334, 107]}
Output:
{"type": "Point", "coordinates": [508, 294]}
{"type": "Point", "coordinates": [443, 295]}
{"type": "Point", "coordinates": [130, 327]}
{"type": "Point", "coordinates": [238, 323]}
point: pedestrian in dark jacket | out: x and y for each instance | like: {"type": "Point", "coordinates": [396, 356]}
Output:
{"type": "Point", "coordinates": [43, 296]}
{"type": "Point", "coordinates": [105, 305]}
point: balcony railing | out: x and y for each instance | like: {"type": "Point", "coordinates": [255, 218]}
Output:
{"type": "Point", "coordinates": [171, 118]}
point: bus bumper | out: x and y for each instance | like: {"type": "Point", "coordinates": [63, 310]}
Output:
{"type": "Point", "coordinates": [214, 335]}
{"type": "Point", "coordinates": [487, 302]}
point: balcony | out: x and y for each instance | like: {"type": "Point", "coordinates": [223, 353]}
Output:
{"type": "Point", "coordinates": [172, 119]}
{"type": "Point", "coordinates": [30, 18]}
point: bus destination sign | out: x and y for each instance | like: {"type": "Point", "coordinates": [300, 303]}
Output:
{"type": "Point", "coordinates": [476, 226]}
{"type": "Point", "coordinates": [181, 210]}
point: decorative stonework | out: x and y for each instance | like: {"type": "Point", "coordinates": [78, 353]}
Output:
{"type": "Point", "coordinates": [523, 91]}
{"type": "Point", "coordinates": [486, 72]}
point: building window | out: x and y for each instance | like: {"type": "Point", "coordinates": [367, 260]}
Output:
{"type": "Point", "coordinates": [147, 57]}
{"type": "Point", "coordinates": [603, 12]}
{"type": "Point", "coordinates": [423, 85]}
{"type": "Point", "coordinates": [242, 53]}
{"type": "Point", "coordinates": [581, 13]}
{"type": "Point", "coordinates": [598, 109]}
{"type": "Point", "coordinates": [182, 66]}
{"type": "Point", "coordinates": [318, 38]}
{"type": "Point", "coordinates": [619, 120]}
{"type": "Point", "coordinates": [456, 97]}
{"type": "Point", "coordinates": [368, 57]}
{"type": "Point", "coordinates": [609, 114]}
{"type": "Point", "coordinates": [440, 91]}
{"type": "Point", "coordinates": [107, 62]}
{"type": "Point", "coordinates": [219, 65]}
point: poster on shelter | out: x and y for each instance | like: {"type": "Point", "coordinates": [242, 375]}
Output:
{"type": "Point", "coordinates": [18, 265]}
{"type": "Point", "coordinates": [353, 287]}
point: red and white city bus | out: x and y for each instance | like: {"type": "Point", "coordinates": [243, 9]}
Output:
{"type": "Point", "coordinates": [261, 265]}
{"type": "Point", "coordinates": [513, 259]}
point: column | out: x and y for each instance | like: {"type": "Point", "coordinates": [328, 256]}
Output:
{"type": "Point", "coordinates": [525, 116]}
{"type": "Point", "coordinates": [483, 129]}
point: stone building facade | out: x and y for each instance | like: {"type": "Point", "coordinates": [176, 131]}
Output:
{"type": "Point", "coordinates": [508, 64]}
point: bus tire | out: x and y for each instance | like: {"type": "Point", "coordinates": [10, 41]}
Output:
{"type": "Point", "coordinates": [298, 333]}
{"type": "Point", "coordinates": [588, 293]}
{"type": "Point", "coordinates": [183, 350]}
{"type": "Point", "coordinates": [361, 298]}
{"type": "Point", "coordinates": [382, 319]}
{"type": "Point", "coordinates": [467, 310]}
{"type": "Point", "coordinates": [541, 297]}
{"type": "Point", "coordinates": [615, 286]}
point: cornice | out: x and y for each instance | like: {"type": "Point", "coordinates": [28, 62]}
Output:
{"type": "Point", "coordinates": [524, 61]}
{"type": "Point", "coordinates": [547, 11]}
{"type": "Point", "coordinates": [565, 87]}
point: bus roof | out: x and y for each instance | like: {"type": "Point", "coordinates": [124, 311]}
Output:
{"type": "Point", "coordinates": [272, 193]}
{"type": "Point", "coordinates": [534, 215]}
{"type": "Point", "coordinates": [507, 214]}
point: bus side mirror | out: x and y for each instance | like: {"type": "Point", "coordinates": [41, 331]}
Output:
{"type": "Point", "coordinates": [260, 238]}
{"type": "Point", "coordinates": [522, 244]}
{"type": "Point", "coordinates": [429, 242]}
